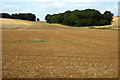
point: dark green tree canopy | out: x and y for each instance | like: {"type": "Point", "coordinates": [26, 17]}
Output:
{"type": "Point", "coordinates": [88, 17]}
{"type": "Point", "coordinates": [22, 16]}
{"type": "Point", "coordinates": [5, 15]}
{"type": "Point", "coordinates": [38, 19]}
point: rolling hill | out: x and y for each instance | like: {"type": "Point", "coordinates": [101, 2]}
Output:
{"type": "Point", "coordinates": [21, 24]}
{"type": "Point", "coordinates": [42, 50]}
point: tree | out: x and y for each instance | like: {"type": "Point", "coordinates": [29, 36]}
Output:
{"type": "Point", "coordinates": [5, 15]}
{"type": "Point", "coordinates": [88, 17]}
{"type": "Point", "coordinates": [22, 16]}
{"type": "Point", "coordinates": [38, 19]}
{"type": "Point", "coordinates": [15, 16]}
{"type": "Point", "coordinates": [108, 16]}
{"type": "Point", "coordinates": [48, 18]}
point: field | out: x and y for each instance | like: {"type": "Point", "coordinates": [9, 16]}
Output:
{"type": "Point", "coordinates": [42, 50]}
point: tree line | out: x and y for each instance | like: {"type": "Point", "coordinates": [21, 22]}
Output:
{"type": "Point", "coordinates": [88, 17]}
{"type": "Point", "coordinates": [22, 16]}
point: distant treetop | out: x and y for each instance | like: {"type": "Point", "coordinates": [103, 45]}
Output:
{"type": "Point", "coordinates": [88, 17]}
{"type": "Point", "coordinates": [22, 16]}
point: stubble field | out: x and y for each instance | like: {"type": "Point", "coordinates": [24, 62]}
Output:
{"type": "Point", "coordinates": [41, 50]}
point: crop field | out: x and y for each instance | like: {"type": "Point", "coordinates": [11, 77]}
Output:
{"type": "Point", "coordinates": [42, 50]}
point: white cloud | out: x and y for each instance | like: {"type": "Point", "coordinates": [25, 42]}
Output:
{"type": "Point", "coordinates": [59, 0]}
{"type": "Point", "coordinates": [26, 11]}
{"type": "Point", "coordinates": [7, 7]}
{"type": "Point", "coordinates": [113, 9]}
{"type": "Point", "coordinates": [93, 0]}
{"type": "Point", "coordinates": [59, 4]}
{"type": "Point", "coordinates": [44, 7]}
{"type": "Point", "coordinates": [27, 0]}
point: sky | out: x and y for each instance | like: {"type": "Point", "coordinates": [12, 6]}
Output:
{"type": "Point", "coordinates": [43, 7]}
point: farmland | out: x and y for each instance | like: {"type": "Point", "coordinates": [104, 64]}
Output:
{"type": "Point", "coordinates": [42, 50]}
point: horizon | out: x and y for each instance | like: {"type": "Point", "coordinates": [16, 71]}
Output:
{"type": "Point", "coordinates": [42, 8]}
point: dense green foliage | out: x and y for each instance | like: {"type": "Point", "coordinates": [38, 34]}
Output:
{"type": "Point", "coordinates": [22, 16]}
{"type": "Point", "coordinates": [38, 19]}
{"type": "Point", "coordinates": [88, 17]}
{"type": "Point", "coordinates": [5, 15]}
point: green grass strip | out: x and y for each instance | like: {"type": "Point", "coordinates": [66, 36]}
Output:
{"type": "Point", "coordinates": [38, 41]}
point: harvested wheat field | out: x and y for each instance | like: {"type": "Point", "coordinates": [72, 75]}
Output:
{"type": "Point", "coordinates": [42, 50]}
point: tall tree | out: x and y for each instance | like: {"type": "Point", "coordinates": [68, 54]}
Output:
{"type": "Point", "coordinates": [88, 17]}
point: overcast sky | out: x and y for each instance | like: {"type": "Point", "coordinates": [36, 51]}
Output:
{"type": "Point", "coordinates": [43, 7]}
